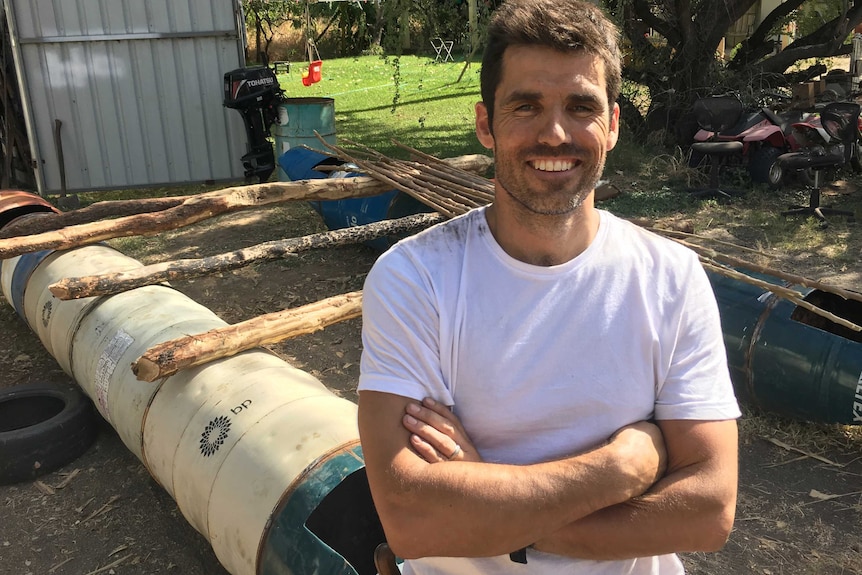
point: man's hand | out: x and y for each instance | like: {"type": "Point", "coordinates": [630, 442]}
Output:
{"type": "Point", "coordinates": [642, 450]}
{"type": "Point", "coordinates": [436, 434]}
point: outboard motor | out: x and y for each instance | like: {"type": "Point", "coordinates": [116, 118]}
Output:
{"type": "Point", "coordinates": [255, 93]}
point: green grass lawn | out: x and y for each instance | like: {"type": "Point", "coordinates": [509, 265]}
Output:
{"type": "Point", "coordinates": [434, 110]}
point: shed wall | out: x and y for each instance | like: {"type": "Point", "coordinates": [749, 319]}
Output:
{"type": "Point", "coordinates": [137, 86]}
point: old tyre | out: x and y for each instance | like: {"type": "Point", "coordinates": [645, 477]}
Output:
{"type": "Point", "coordinates": [43, 426]}
{"type": "Point", "coordinates": [763, 167]}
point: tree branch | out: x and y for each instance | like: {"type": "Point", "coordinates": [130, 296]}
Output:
{"type": "Point", "coordinates": [787, 57]}
{"type": "Point", "coordinates": [666, 29]}
{"type": "Point", "coordinates": [682, 9]}
{"type": "Point", "coordinates": [755, 46]}
{"type": "Point", "coordinates": [836, 29]}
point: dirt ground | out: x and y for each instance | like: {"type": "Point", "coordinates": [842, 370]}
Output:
{"type": "Point", "coordinates": [104, 514]}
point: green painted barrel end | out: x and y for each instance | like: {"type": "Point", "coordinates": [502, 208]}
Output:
{"type": "Point", "coordinates": [327, 523]}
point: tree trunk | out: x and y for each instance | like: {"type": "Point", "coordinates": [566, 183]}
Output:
{"type": "Point", "coordinates": [258, 30]}
{"type": "Point", "coordinates": [377, 34]}
{"type": "Point", "coordinates": [473, 17]}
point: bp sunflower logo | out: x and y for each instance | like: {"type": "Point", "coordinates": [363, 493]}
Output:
{"type": "Point", "coordinates": [214, 435]}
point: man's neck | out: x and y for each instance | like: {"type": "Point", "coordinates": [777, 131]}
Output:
{"type": "Point", "coordinates": [543, 240]}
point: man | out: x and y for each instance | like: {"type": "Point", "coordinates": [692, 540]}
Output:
{"type": "Point", "coordinates": [555, 332]}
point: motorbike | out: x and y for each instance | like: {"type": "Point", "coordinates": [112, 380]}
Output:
{"type": "Point", "coordinates": [765, 135]}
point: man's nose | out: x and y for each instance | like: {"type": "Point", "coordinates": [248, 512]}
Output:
{"type": "Point", "coordinates": [554, 130]}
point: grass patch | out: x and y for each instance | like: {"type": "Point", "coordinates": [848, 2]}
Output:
{"type": "Point", "coordinates": [411, 99]}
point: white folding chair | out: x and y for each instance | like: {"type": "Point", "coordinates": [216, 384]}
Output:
{"type": "Point", "coordinates": [443, 48]}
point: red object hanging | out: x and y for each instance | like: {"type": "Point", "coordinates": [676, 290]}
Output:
{"type": "Point", "coordinates": [312, 75]}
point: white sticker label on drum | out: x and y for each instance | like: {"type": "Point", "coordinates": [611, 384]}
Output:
{"type": "Point", "coordinates": [106, 366]}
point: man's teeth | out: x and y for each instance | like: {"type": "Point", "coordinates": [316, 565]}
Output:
{"type": "Point", "coordinates": [552, 166]}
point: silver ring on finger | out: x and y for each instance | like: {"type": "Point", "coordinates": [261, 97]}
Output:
{"type": "Point", "coordinates": [455, 453]}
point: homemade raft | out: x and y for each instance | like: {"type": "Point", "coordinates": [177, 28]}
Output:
{"type": "Point", "coordinates": [261, 458]}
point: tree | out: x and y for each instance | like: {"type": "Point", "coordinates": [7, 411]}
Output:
{"type": "Point", "coordinates": [265, 17]}
{"type": "Point", "coordinates": [672, 46]}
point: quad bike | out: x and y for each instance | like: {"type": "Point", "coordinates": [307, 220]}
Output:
{"type": "Point", "coordinates": [765, 135]}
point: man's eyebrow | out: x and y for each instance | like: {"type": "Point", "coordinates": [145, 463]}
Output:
{"type": "Point", "coordinates": [533, 96]}
{"type": "Point", "coordinates": [584, 99]}
{"type": "Point", "coordinates": [522, 96]}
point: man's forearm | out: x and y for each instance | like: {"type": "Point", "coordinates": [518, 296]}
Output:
{"type": "Point", "coordinates": [691, 509]}
{"type": "Point", "coordinates": [484, 509]}
{"type": "Point", "coordinates": [678, 515]}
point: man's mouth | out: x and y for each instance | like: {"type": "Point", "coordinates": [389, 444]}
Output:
{"type": "Point", "coordinates": [552, 165]}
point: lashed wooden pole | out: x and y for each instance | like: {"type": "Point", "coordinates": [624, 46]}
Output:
{"type": "Point", "coordinates": [169, 357]}
{"type": "Point", "coordinates": [112, 283]}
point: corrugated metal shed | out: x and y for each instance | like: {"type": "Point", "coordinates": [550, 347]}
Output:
{"type": "Point", "coordinates": [137, 86]}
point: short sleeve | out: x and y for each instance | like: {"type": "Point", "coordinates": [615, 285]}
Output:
{"type": "Point", "coordinates": [401, 330]}
{"type": "Point", "coordinates": [697, 385]}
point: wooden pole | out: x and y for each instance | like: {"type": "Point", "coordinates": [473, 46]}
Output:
{"type": "Point", "coordinates": [48, 221]}
{"type": "Point", "coordinates": [167, 358]}
{"type": "Point", "coordinates": [191, 211]}
{"type": "Point", "coordinates": [112, 283]}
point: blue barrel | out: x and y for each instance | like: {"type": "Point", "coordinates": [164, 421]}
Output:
{"type": "Point", "coordinates": [787, 360]}
{"type": "Point", "coordinates": [300, 164]}
{"type": "Point", "coordinates": [296, 122]}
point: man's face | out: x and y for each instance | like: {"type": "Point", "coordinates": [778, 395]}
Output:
{"type": "Point", "coordinates": [552, 128]}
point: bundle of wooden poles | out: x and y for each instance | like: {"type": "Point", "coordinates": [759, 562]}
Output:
{"type": "Point", "coordinates": [450, 187]}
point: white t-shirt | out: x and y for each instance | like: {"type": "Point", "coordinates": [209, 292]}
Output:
{"type": "Point", "coordinates": [541, 362]}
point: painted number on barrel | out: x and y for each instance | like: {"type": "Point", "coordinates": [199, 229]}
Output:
{"type": "Point", "coordinates": [857, 404]}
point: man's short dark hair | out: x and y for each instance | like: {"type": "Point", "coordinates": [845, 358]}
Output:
{"type": "Point", "coordinates": [564, 25]}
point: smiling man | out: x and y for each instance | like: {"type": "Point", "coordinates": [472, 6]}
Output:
{"type": "Point", "coordinates": [544, 386]}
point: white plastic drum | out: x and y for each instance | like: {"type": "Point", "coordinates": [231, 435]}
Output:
{"type": "Point", "coordinates": [214, 429]}
{"type": "Point", "coordinates": [264, 464]}
{"type": "Point", "coordinates": [116, 332]}
{"type": "Point", "coordinates": [180, 400]}
{"type": "Point", "coordinates": [53, 319]}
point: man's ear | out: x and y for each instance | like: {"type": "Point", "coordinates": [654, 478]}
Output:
{"type": "Point", "coordinates": [614, 128]}
{"type": "Point", "coordinates": [483, 126]}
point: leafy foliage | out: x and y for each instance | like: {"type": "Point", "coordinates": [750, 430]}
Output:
{"type": "Point", "coordinates": [265, 17]}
